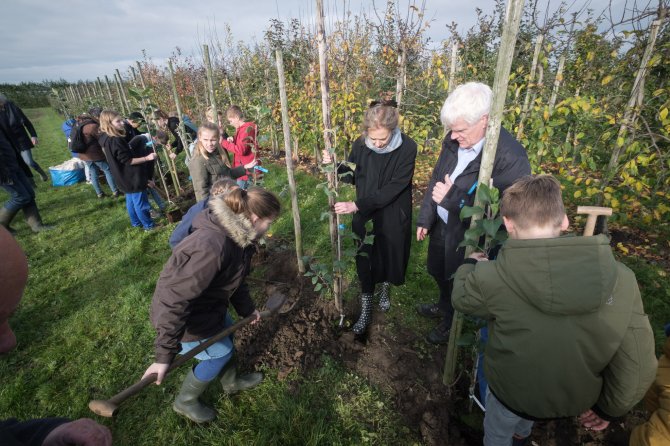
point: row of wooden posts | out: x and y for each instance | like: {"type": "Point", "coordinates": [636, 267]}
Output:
{"type": "Point", "coordinates": [77, 93]}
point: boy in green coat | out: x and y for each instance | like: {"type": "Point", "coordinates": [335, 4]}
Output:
{"type": "Point", "coordinates": [568, 334]}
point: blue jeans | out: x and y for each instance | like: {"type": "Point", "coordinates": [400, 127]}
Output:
{"type": "Point", "coordinates": [157, 198]}
{"type": "Point", "coordinates": [27, 156]}
{"type": "Point", "coordinates": [21, 191]}
{"type": "Point", "coordinates": [213, 358]}
{"type": "Point", "coordinates": [500, 425]}
{"type": "Point", "coordinates": [95, 167]}
{"type": "Point", "coordinates": [137, 205]}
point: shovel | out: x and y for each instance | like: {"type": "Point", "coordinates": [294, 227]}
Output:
{"type": "Point", "coordinates": [109, 408]}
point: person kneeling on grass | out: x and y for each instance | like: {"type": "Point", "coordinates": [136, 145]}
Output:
{"type": "Point", "coordinates": [202, 277]}
{"type": "Point", "coordinates": [131, 174]}
{"type": "Point", "coordinates": [567, 330]}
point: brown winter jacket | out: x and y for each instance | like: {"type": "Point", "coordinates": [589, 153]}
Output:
{"type": "Point", "coordinates": [202, 277]}
{"type": "Point", "coordinates": [91, 131]}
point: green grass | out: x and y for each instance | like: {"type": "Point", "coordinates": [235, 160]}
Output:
{"type": "Point", "coordinates": [84, 333]}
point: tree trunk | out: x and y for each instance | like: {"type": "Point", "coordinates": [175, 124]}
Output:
{"type": "Point", "coordinates": [117, 83]}
{"type": "Point", "coordinates": [177, 101]}
{"type": "Point", "coordinates": [112, 103]}
{"type": "Point", "coordinates": [210, 86]}
{"type": "Point", "coordinates": [506, 52]}
{"type": "Point", "coordinates": [558, 80]}
{"type": "Point", "coordinates": [631, 110]}
{"type": "Point", "coordinates": [289, 160]}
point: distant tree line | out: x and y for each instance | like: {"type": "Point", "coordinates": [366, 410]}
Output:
{"type": "Point", "coordinates": [31, 94]}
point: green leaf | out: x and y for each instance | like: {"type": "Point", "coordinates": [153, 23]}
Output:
{"type": "Point", "coordinates": [473, 234]}
{"type": "Point", "coordinates": [314, 280]}
{"type": "Point", "coordinates": [484, 194]}
{"type": "Point", "coordinates": [324, 216]}
{"type": "Point", "coordinates": [469, 211]}
{"type": "Point", "coordinates": [318, 287]}
{"type": "Point", "coordinates": [369, 239]}
{"type": "Point", "coordinates": [466, 339]}
{"type": "Point", "coordinates": [491, 226]}
{"type": "Point", "coordinates": [465, 243]}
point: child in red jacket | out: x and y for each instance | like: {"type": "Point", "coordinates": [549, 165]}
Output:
{"type": "Point", "coordinates": [243, 145]}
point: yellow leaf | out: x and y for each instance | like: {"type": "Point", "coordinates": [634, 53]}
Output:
{"type": "Point", "coordinates": [663, 114]}
{"type": "Point", "coordinates": [606, 80]}
{"type": "Point", "coordinates": [619, 141]}
{"type": "Point", "coordinates": [578, 180]}
{"type": "Point", "coordinates": [559, 159]}
{"type": "Point", "coordinates": [622, 248]}
{"type": "Point", "coordinates": [577, 194]}
{"type": "Point", "coordinates": [546, 115]}
{"type": "Point", "coordinates": [588, 181]}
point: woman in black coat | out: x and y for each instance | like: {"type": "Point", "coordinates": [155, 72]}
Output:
{"type": "Point", "coordinates": [384, 159]}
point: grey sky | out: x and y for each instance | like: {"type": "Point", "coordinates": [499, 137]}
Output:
{"type": "Point", "coordinates": [82, 39]}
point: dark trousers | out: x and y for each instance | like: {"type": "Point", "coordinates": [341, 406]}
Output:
{"type": "Point", "coordinates": [444, 303]}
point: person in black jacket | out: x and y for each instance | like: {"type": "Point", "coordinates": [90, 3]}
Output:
{"type": "Point", "coordinates": [15, 179]}
{"type": "Point", "coordinates": [384, 159]}
{"type": "Point", "coordinates": [171, 124]}
{"type": "Point", "coordinates": [131, 174]}
{"type": "Point", "coordinates": [22, 132]}
{"type": "Point", "coordinates": [453, 184]}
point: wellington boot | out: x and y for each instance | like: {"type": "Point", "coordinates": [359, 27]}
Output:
{"type": "Point", "coordinates": [34, 219]}
{"type": "Point", "coordinates": [385, 297]}
{"type": "Point", "coordinates": [188, 403]}
{"type": "Point", "coordinates": [6, 217]}
{"type": "Point", "coordinates": [232, 383]}
{"type": "Point", "coordinates": [366, 314]}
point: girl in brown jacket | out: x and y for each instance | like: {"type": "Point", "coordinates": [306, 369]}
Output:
{"type": "Point", "coordinates": [202, 277]}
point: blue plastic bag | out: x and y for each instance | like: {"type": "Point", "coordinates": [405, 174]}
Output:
{"type": "Point", "coordinates": [67, 177]}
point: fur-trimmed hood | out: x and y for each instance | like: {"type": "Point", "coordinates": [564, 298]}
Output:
{"type": "Point", "coordinates": [238, 227]}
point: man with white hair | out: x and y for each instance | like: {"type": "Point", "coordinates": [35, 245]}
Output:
{"type": "Point", "coordinates": [453, 184]}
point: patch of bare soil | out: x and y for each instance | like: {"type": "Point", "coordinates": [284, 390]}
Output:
{"type": "Point", "coordinates": [392, 357]}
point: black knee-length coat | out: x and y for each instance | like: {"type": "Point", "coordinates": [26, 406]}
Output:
{"type": "Point", "coordinates": [384, 197]}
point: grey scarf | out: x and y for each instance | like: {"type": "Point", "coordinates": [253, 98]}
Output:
{"type": "Point", "coordinates": [394, 142]}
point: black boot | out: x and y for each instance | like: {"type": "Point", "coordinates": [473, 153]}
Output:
{"type": "Point", "coordinates": [42, 173]}
{"type": "Point", "coordinates": [6, 217]}
{"type": "Point", "coordinates": [366, 314]}
{"type": "Point", "coordinates": [188, 403]}
{"type": "Point", "coordinates": [34, 219]}
{"type": "Point", "coordinates": [232, 383]}
{"type": "Point", "coordinates": [385, 297]}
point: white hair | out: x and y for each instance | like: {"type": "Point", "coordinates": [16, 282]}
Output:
{"type": "Point", "coordinates": [468, 102]}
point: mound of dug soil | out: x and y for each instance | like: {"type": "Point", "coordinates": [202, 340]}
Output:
{"type": "Point", "coordinates": [392, 358]}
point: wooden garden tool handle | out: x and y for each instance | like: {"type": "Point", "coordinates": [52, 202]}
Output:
{"type": "Point", "coordinates": [592, 213]}
{"type": "Point", "coordinates": [109, 408]}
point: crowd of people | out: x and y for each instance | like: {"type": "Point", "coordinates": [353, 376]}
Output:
{"type": "Point", "coordinates": [567, 332]}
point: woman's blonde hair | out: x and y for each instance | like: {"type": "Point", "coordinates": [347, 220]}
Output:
{"type": "Point", "coordinates": [200, 149]}
{"type": "Point", "coordinates": [258, 201]}
{"type": "Point", "coordinates": [106, 118]}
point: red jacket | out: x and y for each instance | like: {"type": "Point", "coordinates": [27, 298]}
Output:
{"type": "Point", "coordinates": [243, 146]}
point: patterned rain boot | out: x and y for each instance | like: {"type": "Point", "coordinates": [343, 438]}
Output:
{"type": "Point", "coordinates": [366, 314]}
{"type": "Point", "coordinates": [385, 297]}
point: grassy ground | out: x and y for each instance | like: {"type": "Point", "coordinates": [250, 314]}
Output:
{"type": "Point", "coordinates": [84, 332]}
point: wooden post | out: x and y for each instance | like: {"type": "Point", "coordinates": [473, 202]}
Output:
{"type": "Point", "coordinates": [124, 97]}
{"type": "Point", "coordinates": [210, 86]}
{"type": "Point", "coordinates": [182, 129]}
{"type": "Point", "coordinates": [149, 121]}
{"type": "Point", "coordinates": [530, 87]}
{"type": "Point", "coordinates": [334, 219]}
{"type": "Point", "coordinates": [454, 64]}
{"type": "Point", "coordinates": [109, 93]}
{"type": "Point", "coordinates": [506, 54]}
{"type": "Point", "coordinates": [634, 102]}
{"type": "Point", "coordinates": [402, 74]}
{"type": "Point", "coordinates": [117, 83]}
{"type": "Point", "coordinates": [289, 160]}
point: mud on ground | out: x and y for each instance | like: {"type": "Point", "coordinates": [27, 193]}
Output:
{"type": "Point", "coordinates": [392, 358]}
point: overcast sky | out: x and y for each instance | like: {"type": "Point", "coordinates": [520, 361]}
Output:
{"type": "Point", "coordinates": [83, 39]}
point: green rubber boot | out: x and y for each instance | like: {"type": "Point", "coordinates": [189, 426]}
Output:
{"type": "Point", "coordinates": [232, 383]}
{"type": "Point", "coordinates": [188, 403]}
{"type": "Point", "coordinates": [6, 217]}
{"type": "Point", "coordinates": [34, 219]}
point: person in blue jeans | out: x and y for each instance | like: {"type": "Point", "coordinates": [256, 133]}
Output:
{"type": "Point", "coordinates": [131, 173]}
{"type": "Point", "coordinates": [93, 157]}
